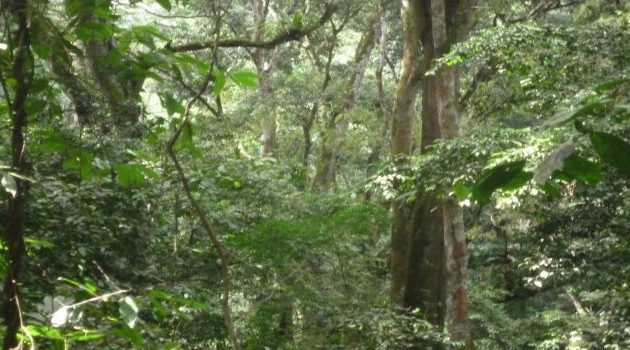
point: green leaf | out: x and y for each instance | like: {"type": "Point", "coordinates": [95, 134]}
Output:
{"type": "Point", "coordinates": [582, 169]}
{"type": "Point", "coordinates": [245, 78]}
{"type": "Point", "coordinates": [592, 108]}
{"type": "Point", "coordinates": [131, 334]}
{"type": "Point", "coordinates": [44, 332]}
{"type": "Point", "coordinates": [166, 4]}
{"type": "Point", "coordinates": [560, 118]}
{"type": "Point", "coordinates": [95, 30]}
{"type": "Point", "coordinates": [298, 20]}
{"type": "Point", "coordinates": [35, 106]}
{"type": "Point", "coordinates": [461, 190]}
{"type": "Point", "coordinates": [43, 50]}
{"type": "Point", "coordinates": [171, 104]}
{"type": "Point", "coordinates": [203, 67]}
{"type": "Point", "coordinates": [129, 174]}
{"type": "Point", "coordinates": [551, 189]}
{"type": "Point", "coordinates": [508, 175]}
{"type": "Point", "coordinates": [609, 85]}
{"type": "Point", "coordinates": [88, 286]}
{"type": "Point", "coordinates": [85, 335]}
{"type": "Point", "coordinates": [612, 149]}
{"type": "Point", "coordinates": [219, 82]}
{"type": "Point", "coordinates": [518, 181]}
{"type": "Point", "coordinates": [81, 160]}
{"type": "Point", "coordinates": [40, 243]}
{"type": "Point", "coordinates": [186, 141]}
{"type": "Point", "coordinates": [55, 142]}
{"type": "Point", "coordinates": [128, 311]}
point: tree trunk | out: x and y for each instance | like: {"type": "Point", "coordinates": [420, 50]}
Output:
{"type": "Point", "coordinates": [455, 251]}
{"type": "Point", "coordinates": [436, 275]}
{"type": "Point", "coordinates": [14, 235]}
{"type": "Point", "coordinates": [425, 280]}
{"type": "Point", "coordinates": [84, 107]}
{"type": "Point", "coordinates": [381, 106]}
{"type": "Point", "coordinates": [105, 62]}
{"type": "Point", "coordinates": [264, 62]}
{"type": "Point", "coordinates": [338, 122]}
{"type": "Point", "coordinates": [402, 142]}
{"type": "Point", "coordinates": [268, 139]}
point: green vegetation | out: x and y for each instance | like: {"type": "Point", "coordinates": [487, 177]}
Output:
{"type": "Point", "coordinates": [284, 174]}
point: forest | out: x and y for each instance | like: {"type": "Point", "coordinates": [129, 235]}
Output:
{"type": "Point", "coordinates": [302, 174]}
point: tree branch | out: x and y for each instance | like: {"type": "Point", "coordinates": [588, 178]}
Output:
{"type": "Point", "coordinates": [291, 34]}
{"type": "Point", "coordinates": [221, 249]}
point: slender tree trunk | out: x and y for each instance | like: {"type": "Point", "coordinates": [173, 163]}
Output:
{"type": "Point", "coordinates": [268, 138]}
{"type": "Point", "coordinates": [264, 61]}
{"type": "Point", "coordinates": [338, 123]}
{"type": "Point", "coordinates": [316, 108]}
{"type": "Point", "coordinates": [14, 235]}
{"type": "Point", "coordinates": [381, 106]}
{"type": "Point", "coordinates": [307, 126]}
{"type": "Point", "coordinates": [455, 250]}
{"type": "Point", "coordinates": [285, 325]}
{"type": "Point", "coordinates": [222, 251]}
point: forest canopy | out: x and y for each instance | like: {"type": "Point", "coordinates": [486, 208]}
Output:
{"type": "Point", "coordinates": [299, 174]}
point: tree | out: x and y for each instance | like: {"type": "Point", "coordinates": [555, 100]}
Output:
{"type": "Point", "coordinates": [337, 122]}
{"type": "Point", "coordinates": [17, 182]}
{"type": "Point", "coordinates": [402, 142]}
{"type": "Point", "coordinates": [436, 270]}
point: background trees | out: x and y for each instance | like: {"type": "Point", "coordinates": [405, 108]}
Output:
{"type": "Point", "coordinates": [155, 215]}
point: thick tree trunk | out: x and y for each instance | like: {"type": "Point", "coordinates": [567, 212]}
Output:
{"type": "Point", "coordinates": [436, 275]}
{"type": "Point", "coordinates": [78, 92]}
{"type": "Point", "coordinates": [14, 235]}
{"type": "Point", "coordinates": [402, 142]}
{"type": "Point", "coordinates": [425, 280]}
{"type": "Point", "coordinates": [105, 63]}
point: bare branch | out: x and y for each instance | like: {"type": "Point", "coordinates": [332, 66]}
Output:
{"type": "Point", "coordinates": [292, 34]}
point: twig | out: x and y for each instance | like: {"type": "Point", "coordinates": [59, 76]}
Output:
{"type": "Point", "coordinates": [96, 298]}
{"type": "Point", "coordinates": [23, 328]}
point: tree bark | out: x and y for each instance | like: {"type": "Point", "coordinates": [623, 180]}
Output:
{"type": "Point", "coordinates": [105, 62]}
{"type": "Point", "coordinates": [425, 280]}
{"type": "Point", "coordinates": [264, 62]}
{"type": "Point", "coordinates": [436, 275]}
{"type": "Point", "coordinates": [455, 250]}
{"type": "Point", "coordinates": [402, 142]}
{"type": "Point", "coordinates": [82, 100]}
{"type": "Point", "coordinates": [14, 235]}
